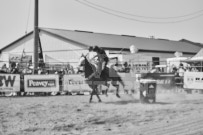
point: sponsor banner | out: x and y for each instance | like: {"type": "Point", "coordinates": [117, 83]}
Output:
{"type": "Point", "coordinates": [9, 82]}
{"type": "Point", "coordinates": [75, 83]}
{"type": "Point", "coordinates": [41, 83]}
{"type": "Point", "coordinates": [193, 80]}
{"type": "Point", "coordinates": [164, 80]}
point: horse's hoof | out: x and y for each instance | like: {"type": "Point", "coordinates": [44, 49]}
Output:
{"type": "Point", "coordinates": [90, 101]}
{"type": "Point", "coordinates": [100, 101]}
{"type": "Point", "coordinates": [118, 95]}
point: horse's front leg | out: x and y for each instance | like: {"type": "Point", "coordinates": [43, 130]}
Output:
{"type": "Point", "coordinates": [96, 92]}
{"type": "Point", "coordinates": [91, 95]}
{"type": "Point", "coordinates": [106, 92]}
{"type": "Point", "coordinates": [117, 91]}
{"type": "Point", "coordinates": [117, 88]}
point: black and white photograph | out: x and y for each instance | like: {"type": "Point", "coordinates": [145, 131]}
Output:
{"type": "Point", "coordinates": [101, 67]}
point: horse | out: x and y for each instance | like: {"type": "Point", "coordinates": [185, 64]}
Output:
{"type": "Point", "coordinates": [107, 75]}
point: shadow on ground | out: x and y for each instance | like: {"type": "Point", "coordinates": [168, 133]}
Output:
{"type": "Point", "coordinates": [124, 102]}
{"type": "Point", "coordinates": [162, 103]}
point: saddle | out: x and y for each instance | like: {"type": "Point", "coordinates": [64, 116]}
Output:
{"type": "Point", "coordinates": [105, 74]}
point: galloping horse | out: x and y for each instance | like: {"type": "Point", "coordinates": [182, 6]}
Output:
{"type": "Point", "coordinates": [108, 74]}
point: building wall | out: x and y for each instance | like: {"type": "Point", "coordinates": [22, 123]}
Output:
{"type": "Point", "coordinates": [162, 56]}
{"type": "Point", "coordinates": [60, 50]}
{"type": "Point", "coordinates": [17, 48]}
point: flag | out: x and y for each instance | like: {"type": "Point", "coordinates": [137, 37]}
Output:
{"type": "Point", "coordinates": [24, 60]}
{"type": "Point", "coordinates": [23, 55]}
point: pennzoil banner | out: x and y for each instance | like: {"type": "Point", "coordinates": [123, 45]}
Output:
{"type": "Point", "coordinates": [9, 82]}
{"type": "Point", "coordinates": [75, 83]}
{"type": "Point", "coordinates": [41, 83]}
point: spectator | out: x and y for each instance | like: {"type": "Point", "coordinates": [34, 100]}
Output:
{"type": "Point", "coordinates": [14, 69]}
{"type": "Point", "coordinates": [159, 70]}
{"type": "Point", "coordinates": [181, 71]}
{"type": "Point", "coordinates": [194, 69]}
{"type": "Point", "coordinates": [39, 70]}
{"type": "Point", "coordinates": [153, 70]}
{"type": "Point", "coordinates": [66, 71]}
{"type": "Point", "coordinates": [188, 69]}
{"type": "Point", "coordinates": [4, 68]}
{"type": "Point", "coordinates": [56, 72]}
{"type": "Point", "coordinates": [174, 69]}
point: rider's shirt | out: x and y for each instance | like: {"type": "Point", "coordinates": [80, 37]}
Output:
{"type": "Point", "coordinates": [104, 55]}
{"type": "Point", "coordinates": [91, 56]}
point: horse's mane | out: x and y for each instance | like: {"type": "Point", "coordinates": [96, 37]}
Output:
{"type": "Point", "coordinates": [89, 68]}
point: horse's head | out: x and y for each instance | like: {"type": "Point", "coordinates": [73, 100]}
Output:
{"type": "Point", "coordinates": [81, 63]}
{"type": "Point", "coordinates": [85, 66]}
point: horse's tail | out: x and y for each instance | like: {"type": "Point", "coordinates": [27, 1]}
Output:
{"type": "Point", "coordinates": [113, 74]}
{"type": "Point", "coordinates": [121, 81]}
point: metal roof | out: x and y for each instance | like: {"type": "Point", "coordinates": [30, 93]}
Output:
{"type": "Point", "coordinates": [112, 41]}
{"type": "Point", "coordinates": [125, 41]}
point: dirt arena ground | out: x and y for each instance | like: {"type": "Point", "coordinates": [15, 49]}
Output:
{"type": "Point", "coordinates": [173, 114]}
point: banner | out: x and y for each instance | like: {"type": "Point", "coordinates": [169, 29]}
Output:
{"type": "Point", "coordinates": [75, 83]}
{"type": "Point", "coordinates": [41, 83]}
{"type": "Point", "coordinates": [193, 80]}
{"type": "Point", "coordinates": [164, 81]}
{"type": "Point", "coordinates": [9, 82]}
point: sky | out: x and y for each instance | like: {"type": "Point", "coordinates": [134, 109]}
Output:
{"type": "Point", "coordinates": [165, 19]}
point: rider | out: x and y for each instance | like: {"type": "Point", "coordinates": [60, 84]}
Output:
{"type": "Point", "coordinates": [91, 54]}
{"type": "Point", "coordinates": [102, 61]}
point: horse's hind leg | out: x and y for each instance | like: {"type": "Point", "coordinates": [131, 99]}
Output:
{"type": "Point", "coordinates": [91, 95]}
{"type": "Point", "coordinates": [117, 89]}
{"type": "Point", "coordinates": [96, 92]}
{"type": "Point", "coordinates": [107, 85]}
{"type": "Point", "coordinates": [115, 84]}
{"type": "Point", "coordinates": [98, 98]}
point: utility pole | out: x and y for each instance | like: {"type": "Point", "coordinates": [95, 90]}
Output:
{"type": "Point", "coordinates": [36, 37]}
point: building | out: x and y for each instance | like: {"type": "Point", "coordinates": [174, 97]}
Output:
{"type": "Point", "coordinates": [66, 46]}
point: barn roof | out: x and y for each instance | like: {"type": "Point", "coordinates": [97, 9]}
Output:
{"type": "Point", "coordinates": [125, 41]}
{"type": "Point", "coordinates": [112, 41]}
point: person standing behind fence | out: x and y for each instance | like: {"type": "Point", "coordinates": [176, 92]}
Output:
{"type": "Point", "coordinates": [181, 70]}
{"type": "Point", "coordinates": [4, 68]}
{"type": "Point", "coordinates": [13, 68]}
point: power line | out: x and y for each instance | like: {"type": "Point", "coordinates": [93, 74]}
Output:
{"type": "Point", "coordinates": [146, 17]}
{"type": "Point", "coordinates": [28, 17]}
{"type": "Point", "coordinates": [137, 20]}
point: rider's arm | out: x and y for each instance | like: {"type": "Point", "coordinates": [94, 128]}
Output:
{"type": "Point", "coordinates": [94, 57]}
